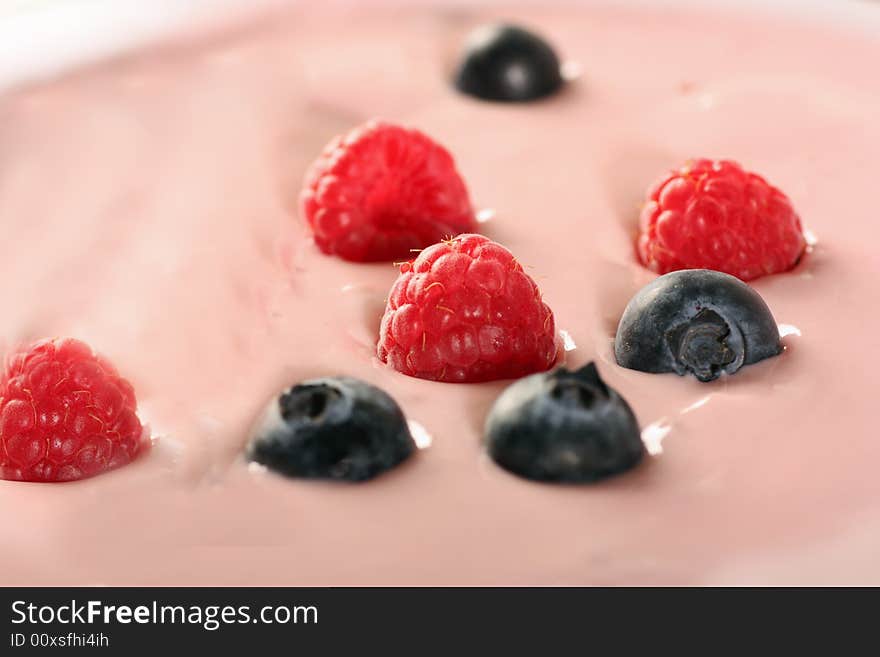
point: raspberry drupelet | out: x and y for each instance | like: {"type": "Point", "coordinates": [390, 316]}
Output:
{"type": "Point", "coordinates": [65, 414]}
{"type": "Point", "coordinates": [716, 215]}
{"type": "Point", "coordinates": [465, 311]}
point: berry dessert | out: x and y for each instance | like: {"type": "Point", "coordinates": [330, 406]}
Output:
{"type": "Point", "coordinates": [465, 311]}
{"type": "Point", "coordinates": [508, 63]}
{"type": "Point", "coordinates": [65, 414]}
{"type": "Point", "coordinates": [381, 192]}
{"type": "Point", "coordinates": [563, 426]}
{"type": "Point", "coordinates": [716, 215]}
{"type": "Point", "coordinates": [334, 428]}
{"type": "Point", "coordinates": [150, 205]}
{"type": "Point", "coordinates": [696, 321]}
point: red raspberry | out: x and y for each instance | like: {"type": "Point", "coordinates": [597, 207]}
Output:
{"type": "Point", "coordinates": [715, 215]}
{"type": "Point", "coordinates": [465, 310]}
{"type": "Point", "coordinates": [381, 192]}
{"type": "Point", "coordinates": [65, 414]}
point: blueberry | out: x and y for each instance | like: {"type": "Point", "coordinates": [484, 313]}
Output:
{"type": "Point", "coordinates": [507, 63]}
{"type": "Point", "coordinates": [563, 426]}
{"type": "Point", "coordinates": [332, 428]}
{"type": "Point", "coordinates": [696, 321]}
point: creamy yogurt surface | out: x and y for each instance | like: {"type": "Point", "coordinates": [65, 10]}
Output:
{"type": "Point", "coordinates": [148, 205]}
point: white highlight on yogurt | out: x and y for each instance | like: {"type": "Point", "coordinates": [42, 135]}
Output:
{"type": "Point", "coordinates": [653, 435]}
{"type": "Point", "coordinates": [256, 468]}
{"type": "Point", "coordinates": [788, 329]}
{"type": "Point", "coordinates": [570, 70]}
{"type": "Point", "coordinates": [696, 404]}
{"type": "Point", "coordinates": [486, 214]}
{"type": "Point", "coordinates": [420, 435]}
{"type": "Point", "coordinates": [567, 341]}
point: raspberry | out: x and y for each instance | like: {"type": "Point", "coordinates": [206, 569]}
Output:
{"type": "Point", "coordinates": [381, 192]}
{"type": "Point", "coordinates": [715, 215]}
{"type": "Point", "coordinates": [65, 413]}
{"type": "Point", "coordinates": [465, 310]}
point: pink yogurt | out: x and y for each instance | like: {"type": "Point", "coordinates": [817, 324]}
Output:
{"type": "Point", "coordinates": [148, 206]}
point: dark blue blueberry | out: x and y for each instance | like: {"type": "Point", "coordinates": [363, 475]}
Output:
{"type": "Point", "coordinates": [333, 428]}
{"type": "Point", "coordinates": [696, 321]}
{"type": "Point", "coordinates": [507, 63]}
{"type": "Point", "coordinates": [563, 426]}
